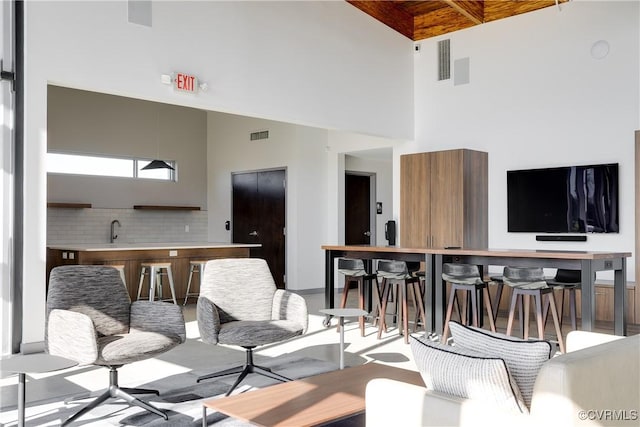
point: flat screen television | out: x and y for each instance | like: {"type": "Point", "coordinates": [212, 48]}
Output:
{"type": "Point", "coordinates": [571, 199]}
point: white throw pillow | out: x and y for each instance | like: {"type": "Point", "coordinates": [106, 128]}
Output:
{"type": "Point", "coordinates": [524, 358]}
{"type": "Point", "coordinates": [466, 374]}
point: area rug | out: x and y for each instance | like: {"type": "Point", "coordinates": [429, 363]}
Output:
{"type": "Point", "coordinates": [182, 401]}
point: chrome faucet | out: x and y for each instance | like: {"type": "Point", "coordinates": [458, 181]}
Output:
{"type": "Point", "coordinates": [114, 236]}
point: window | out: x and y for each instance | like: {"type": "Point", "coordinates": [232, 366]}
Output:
{"type": "Point", "coordinates": [79, 164]}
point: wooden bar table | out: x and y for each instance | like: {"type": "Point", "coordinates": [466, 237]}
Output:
{"type": "Point", "coordinates": [587, 262]}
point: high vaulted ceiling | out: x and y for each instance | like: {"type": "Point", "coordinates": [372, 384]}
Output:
{"type": "Point", "coordinates": [423, 19]}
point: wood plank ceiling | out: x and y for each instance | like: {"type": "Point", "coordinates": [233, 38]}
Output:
{"type": "Point", "coordinates": [419, 20]}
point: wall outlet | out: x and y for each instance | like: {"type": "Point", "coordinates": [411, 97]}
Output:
{"type": "Point", "coordinates": [64, 255]}
{"type": "Point", "coordinates": [173, 253]}
{"type": "Point", "coordinates": [72, 255]}
{"type": "Point", "coordinates": [186, 228]}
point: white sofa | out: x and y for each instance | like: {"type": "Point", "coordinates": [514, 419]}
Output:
{"type": "Point", "coordinates": [596, 383]}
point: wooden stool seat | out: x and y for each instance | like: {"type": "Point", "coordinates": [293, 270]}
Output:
{"type": "Point", "coordinates": [156, 269]}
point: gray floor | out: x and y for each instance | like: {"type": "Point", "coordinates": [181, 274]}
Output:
{"type": "Point", "coordinates": [319, 343]}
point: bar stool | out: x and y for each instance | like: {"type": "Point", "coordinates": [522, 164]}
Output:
{"type": "Point", "coordinates": [565, 281]}
{"type": "Point", "coordinates": [466, 277]}
{"type": "Point", "coordinates": [395, 274]}
{"type": "Point", "coordinates": [156, 270]}
{"type": "Point", "coordinates": [526, 282]}
{"type": "Point", "coordinates": [354, 271]}
{"type": "Point", "coordinates": [195, 266]}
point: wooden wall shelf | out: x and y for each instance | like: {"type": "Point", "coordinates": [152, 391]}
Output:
{"type": "Point", "coordinates": [167, 208]}
{"type": "Point", "coordinates": [69, 205]}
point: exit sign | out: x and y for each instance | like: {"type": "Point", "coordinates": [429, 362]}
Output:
{"type": "Point", "coordinates": [185, 82]}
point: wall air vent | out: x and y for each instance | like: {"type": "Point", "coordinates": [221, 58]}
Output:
{"type": "Point", "coordinates": [444, 59]}
{"type": "Point", "coordinates": [255, 136]}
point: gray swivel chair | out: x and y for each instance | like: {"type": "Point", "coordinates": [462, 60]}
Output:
{"type": "Point", "coordinates": [90, 319]}
{"type": "Point", "coordinates": [240, 305]}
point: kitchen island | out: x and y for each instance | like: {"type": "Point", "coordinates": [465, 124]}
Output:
{"type": "Point", "coordinates": [131, 255]}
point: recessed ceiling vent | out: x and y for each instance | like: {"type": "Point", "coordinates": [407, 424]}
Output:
{"type": "Point", "coordinates": [444, 59]}
{"type": "Point", "coordinates": [255, 136]}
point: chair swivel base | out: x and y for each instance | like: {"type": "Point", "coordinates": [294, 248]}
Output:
{"type": "Point", "coordinates": [115, 391]}
{"type": "Point", "coordinates": [248, 368]}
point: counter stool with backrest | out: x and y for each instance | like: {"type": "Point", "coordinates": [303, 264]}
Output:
{"type": "Point", "coordinates": [195, 266]}
{"type": "Point", "coordinates": [526, 282]}
{"type": "Point", "coordinates": [156, 270]}
{"type": "Point", "coordinates": [395, 275]}
{"type": "Point", "coordinates": [466, 277]}
{"type": "Point", "coordinates": [565, 281]}
{"type": "Point", "coordinates": [354, 272]}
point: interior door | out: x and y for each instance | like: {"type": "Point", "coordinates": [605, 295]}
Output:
{"type": "Point", "coordinates": [357, 205]}
{"type": "Point", "coordinates": [258, 206]}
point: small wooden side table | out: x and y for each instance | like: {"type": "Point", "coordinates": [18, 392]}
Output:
{"type": "Point", "coordinates": [36, 363]}
{"type": "Point", "coordinates": [341, 313]}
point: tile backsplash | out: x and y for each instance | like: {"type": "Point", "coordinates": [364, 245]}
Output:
{"type": "Point", "coordinates": [78, 226]}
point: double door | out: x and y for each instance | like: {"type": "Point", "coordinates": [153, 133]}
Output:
{"type": "Point", "coordinates": [444, 199]}
{"type": "Point", "coordinates": [259, 217]}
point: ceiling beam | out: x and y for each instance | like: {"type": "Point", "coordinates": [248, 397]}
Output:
{"type": "Point", "coordinates": [499, 9]}
{"type": "Point", "coordinates": [439, 22]}
{"type": "Point", "coordinates": [387, 13]}
{"type": "Point", "coordinates": [473, 10]}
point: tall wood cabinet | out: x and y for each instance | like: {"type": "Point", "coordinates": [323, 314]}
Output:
{"type": "Point", "coordinates": [444, 199]}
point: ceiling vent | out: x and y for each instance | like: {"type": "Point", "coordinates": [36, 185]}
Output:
{"type": "Point", "coordinates": [444, 59]}
{"type": "Point", "coordinates": [255, 136]}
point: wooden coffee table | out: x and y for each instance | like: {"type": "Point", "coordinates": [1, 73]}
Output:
{"type": "Point", "coordinates": [308, 401]}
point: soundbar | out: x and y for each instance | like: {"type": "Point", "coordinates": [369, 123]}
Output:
{"type": "Point", "coordinates": [553, 238]}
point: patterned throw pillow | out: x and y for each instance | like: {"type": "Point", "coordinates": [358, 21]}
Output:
{"type": "Point", "coordinates": [524, 358]}
{"type": "Point", "coordinates": [466, 374]}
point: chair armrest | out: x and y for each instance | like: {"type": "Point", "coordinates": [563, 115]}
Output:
{"type": "Point", "coordinates": [290, 306]}
{"type": "Point", "coordinates": [208, 320]}
{"type": "Point", "coordinates": [416, 406]}
{"type": "Point", "coordinates": [160, 317]}
{"type": "Point", "coordinates": [72, 335]}
{"type": "Point", "coordinates": [577, 340]}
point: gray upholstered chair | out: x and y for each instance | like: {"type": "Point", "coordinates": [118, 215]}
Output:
{"type": "Point", "coordinates": [90, 319]}
{"type": "Point", "coordinates": [240, 305]}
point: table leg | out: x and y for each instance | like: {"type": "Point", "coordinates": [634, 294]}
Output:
{"type": "Point", "coordinates": [21, 398]}
{"type": "Point", "coordinates": [429, 298]}
{"type": "Point", "coordinates": [588, 295]}
{"type": "Point", "coordinates": [439, 294]}
{"type": "Point", "coordinates": [204, 416]}
{"type": "Point", "coordinates": [341, 319]}
{"type": "Point", "coordinates": [620, 299]}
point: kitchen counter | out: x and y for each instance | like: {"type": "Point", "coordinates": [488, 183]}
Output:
{"type": "Point", "coordinates": [147, 246]}
{"type": "Point", "coordinates": [131, 255]}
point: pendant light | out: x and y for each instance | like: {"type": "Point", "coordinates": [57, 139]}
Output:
{"type": "Point", "coordinates": [157, 163]}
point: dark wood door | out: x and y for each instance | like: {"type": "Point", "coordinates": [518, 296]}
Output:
{"type": "Point", "coordinates": [357, 206]}
{"type": "Point", "coordinates": [258, 207]}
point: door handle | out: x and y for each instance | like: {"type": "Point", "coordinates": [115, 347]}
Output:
{"type": "Point", "coordinates": [254, 234]}
{"type": "Point", "coordinates": [367, 233]}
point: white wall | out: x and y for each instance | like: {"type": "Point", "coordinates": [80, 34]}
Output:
{"type": "Point", "coordinates": [313, 167]}
{"type": "Point", "coordinates": [83, 122]}
{"type": "Point", "coordinates": [537, 98]}
{"type": "Point", "coordinates": [383, 170]}
{"type": "Point", "coordinates": [317, 63]}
